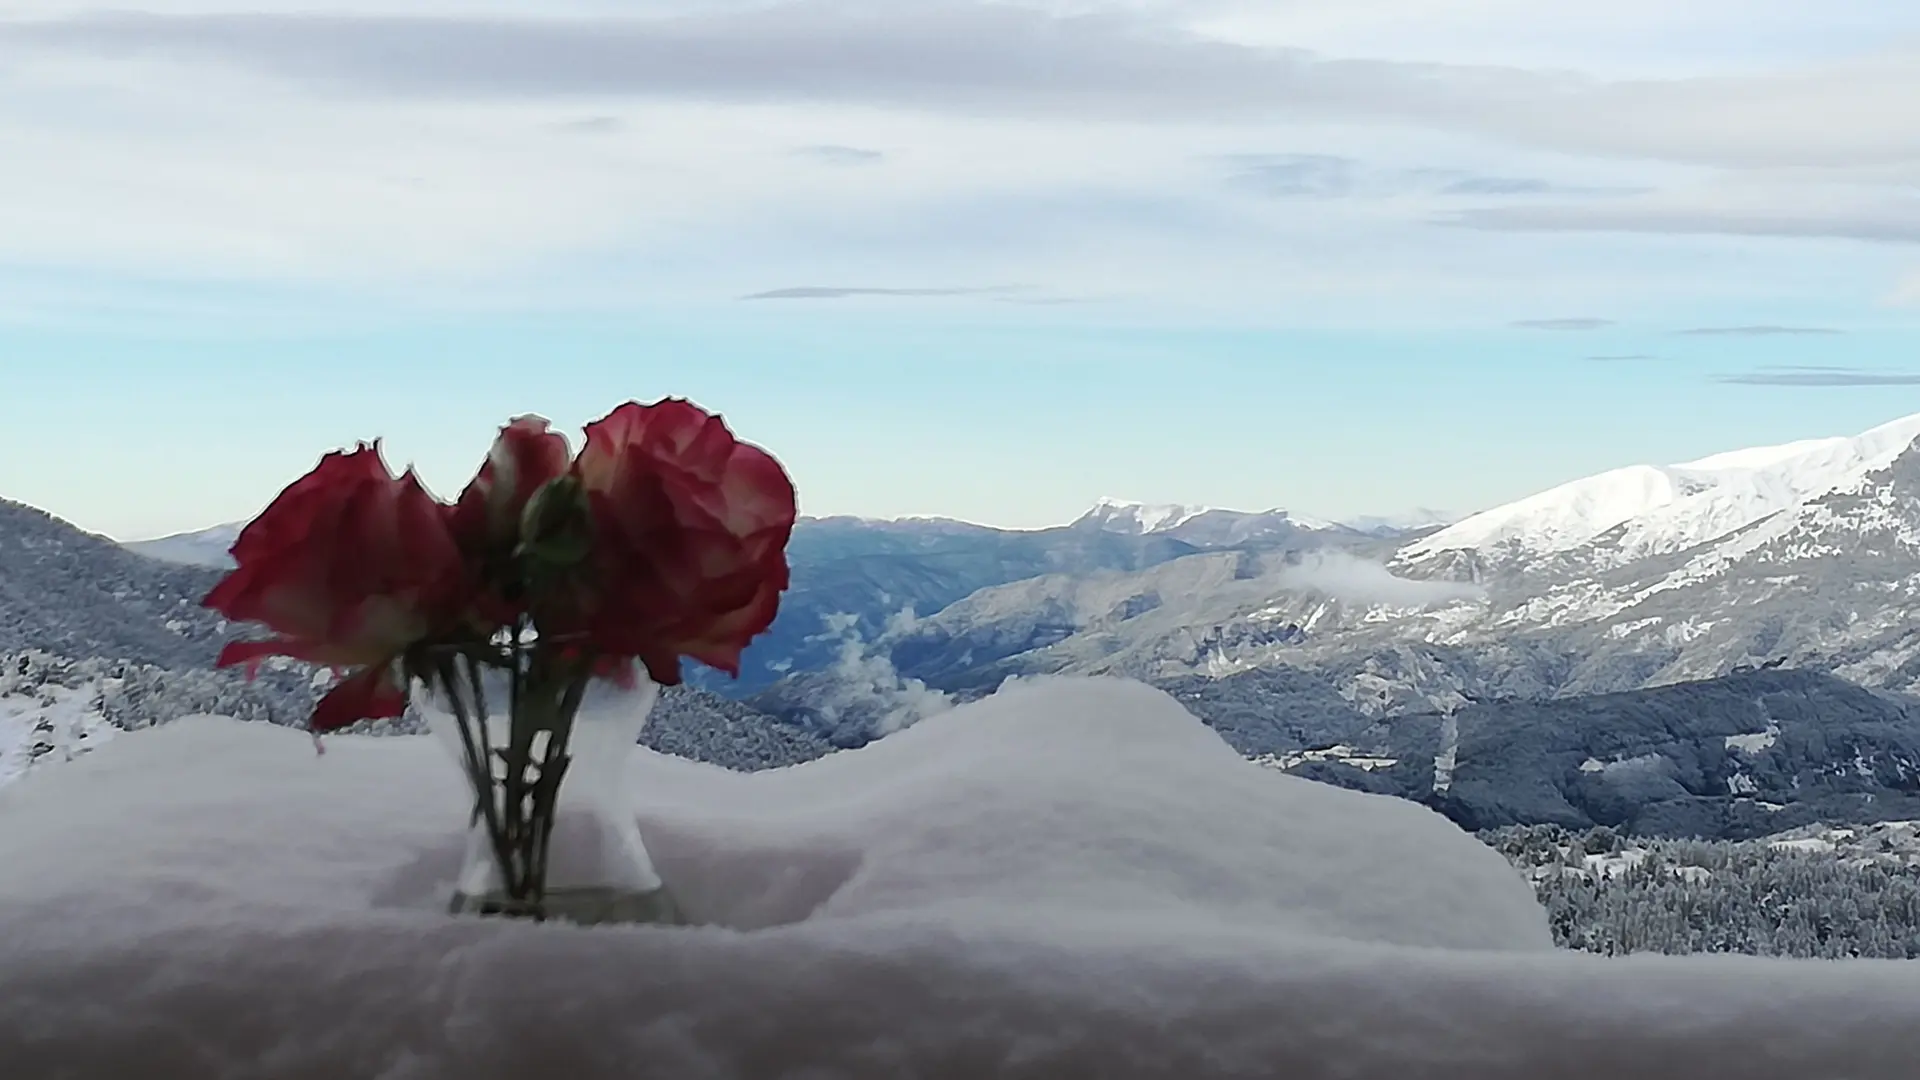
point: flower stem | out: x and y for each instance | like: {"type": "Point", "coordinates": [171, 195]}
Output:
{"type": "Point", "coordinates": [553, 769]}
{"type": "Point", "coordinates": [473, 741]}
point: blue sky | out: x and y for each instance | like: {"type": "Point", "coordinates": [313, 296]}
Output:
{"type": "Point", "coordinates": [991, 260]}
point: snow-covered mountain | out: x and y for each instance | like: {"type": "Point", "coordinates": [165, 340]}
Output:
{"type": "Point", "coordinates": [1204, 526]}
{"type": "Point", "coordinates": [1211, 526]}
{"type": "Point", "coordinates": [1138, 518]}
{"type": "Point", "coordinates": [1647, 510]}
{"type": "Point", "coordinates": [1418, 519]}
{"type": "Point", "coordinates": [1805, 555]}
{"type": "Point", "coordinates": [202, 547]}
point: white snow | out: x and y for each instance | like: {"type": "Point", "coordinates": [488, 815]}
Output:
{"type": "Point", "coordinates": [1342, 753]}
{"type": "Point", "coordinates": [49, 725]}
{"type": "Point", "coordinates": [1672, 508]}
{"type": "Point", "coordinates": [204, 547]}
{"type": "Point", "coordinates": [1125, 515]}
{"type": "Point", "coordinates": [1420, 517]}
{"type": "Point", "coordinates": [1142, 517]}
{"type": "Point", "coordinates": [1070, 878]}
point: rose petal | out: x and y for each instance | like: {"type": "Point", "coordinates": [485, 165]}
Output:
{"type": "Point", "coordinates": [372, 694]}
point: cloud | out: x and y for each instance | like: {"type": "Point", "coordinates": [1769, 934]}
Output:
{"type": "Point", "coordinates": [843, 156]}
{"type": "Point", "coordinates": [1813, 375]}
{"type": "Point", "coordinates": [1333, 176]}
{"type": "Point", "coordinates": [591, 125]}
{"type": "Point", "coordinates": [1623, 357]}
{"type": "Point", "coordinates": [1016, 60]}
{"type": "Point", "coordinates": [1363, 581]}
{"type": "Point", "coordinates": [422, 155]}
{"type": "Point", "coordinates": [1561, 324]}
{"type": "Point", "coordinates": [864, 685]}
{"type": "Point", "coordinates": [1803, 211]}
{"type": "Point", "coordinates": [839, 292]}
{"type": "Point", "coordinates": [1760, 331]}
{"type": "Point", "coordinates": [1500, 185]}
{"type": "Point", "coordinates": [1295, 175]}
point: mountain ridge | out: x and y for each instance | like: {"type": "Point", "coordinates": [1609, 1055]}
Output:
{"type": "Point", "coordinates": [1663, 509]}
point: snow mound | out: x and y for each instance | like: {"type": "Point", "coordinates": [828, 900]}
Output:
{"type": "Point", "coordinates": [1070, 878]}
{"type": "Point", "coordinates": [1659, 509]}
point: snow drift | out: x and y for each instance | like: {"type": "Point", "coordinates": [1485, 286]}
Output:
{"type": "Point", "coordinates": [1070, 878]}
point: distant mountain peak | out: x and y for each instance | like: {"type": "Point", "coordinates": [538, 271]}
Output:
{"type": "Point", "coordinates": [1127, 515]}
{"type": "Point", "coordinates": [1143, 518]}
{"type": "Point", "coordinates": [202, 547]}
{"type": "Point", "coordinates": [1414, 520]}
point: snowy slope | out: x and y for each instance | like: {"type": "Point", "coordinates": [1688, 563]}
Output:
{"type": "Point", "coordinates": [1068, 879]}
{"type": "Point", "coordinates": [204, 547]}
{"type": "Point", "coordinates": [1646, 509]}
{"type": "Point", "coordinates": [48, 726]}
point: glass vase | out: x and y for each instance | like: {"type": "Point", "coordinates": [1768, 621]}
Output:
{"type": "Point", "coordinates": [598, 869]}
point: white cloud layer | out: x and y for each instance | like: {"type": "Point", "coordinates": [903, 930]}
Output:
{"type": "Point", "coordinates": [1198, 152]}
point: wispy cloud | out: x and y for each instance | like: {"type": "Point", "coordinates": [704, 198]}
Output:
{"type": "Point", "coordinates": [1333, 176]}
{"type": "Point", "coordinates": [1005, 59]}
{"type": "Point", "coordinates": [1363, 581]}
{"type": "Point", "coordinates": [1763, 330]}
{"type": "Point", "coordinates": [1837, 211]}
{"type": "Point", "coordinates": [841, 292]}
{"type": "Point", "coordinates": [1561, 324]}
{"type": "Point", "coordinates": [843, 156]}
{"type": "Point", "coordinates": [591, 125]}
{"type": "Point", "coordinates": [1294, 175]}
{"type": "Point", "coordinates": [1500, 185]}
{"type": "Point", "coordinates": [1816, 375]}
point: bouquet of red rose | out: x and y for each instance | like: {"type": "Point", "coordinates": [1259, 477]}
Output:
{"type": "Point", "coordinates": [665, 538]}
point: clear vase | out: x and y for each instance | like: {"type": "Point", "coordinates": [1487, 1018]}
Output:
{"type": "Point", "coordinates": [598, 869]}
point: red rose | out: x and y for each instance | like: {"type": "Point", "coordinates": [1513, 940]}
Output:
{"type": "Point", "coordinates": [486, 522]}
{"type": "Point", "coordinates": [690, 534]}
{"type": "Point", "coordinates": [349, 567]}
{"type": "Point", "coordinates": [523, 458]}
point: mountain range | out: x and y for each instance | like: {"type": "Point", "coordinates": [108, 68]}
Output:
{"type": "Point", "coordinates": [1801, 553]}
{"type": "Point", "coordinates": [1806, 554]}
{"type": "Point", "coordinates": [1349, 651]}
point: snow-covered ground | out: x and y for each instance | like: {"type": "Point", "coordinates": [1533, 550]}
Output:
{"type": "Point", "coordinates": [1070, 878]}
{"type": "Point", "coordinates": [47, 725]}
